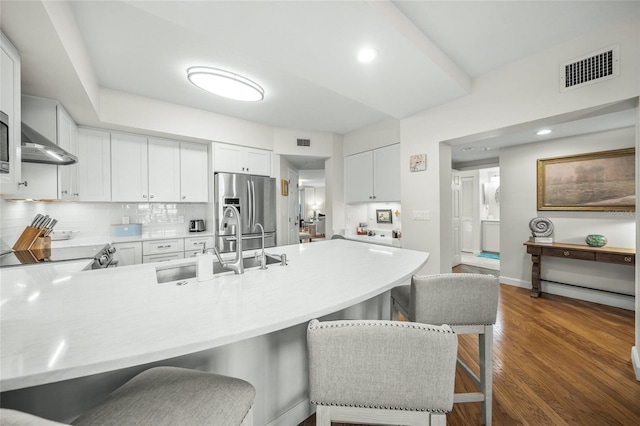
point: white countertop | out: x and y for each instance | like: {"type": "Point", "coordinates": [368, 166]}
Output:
{"type": "Point", "coordinates": [376, 239]}
{"type": "Point", "coordinates": [58, 324]}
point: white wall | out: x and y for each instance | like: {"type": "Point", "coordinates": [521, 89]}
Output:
{"type": "Point", "coordinates": [515, 94]}
{"type": "Point", "coordinates": [285, 142]}
{"type": "Point", "coordinates": [519, 191]}
{"type": "Point", "coordinates": [334, 188]}
{"type": "Point", "coordinates": [380, 134]}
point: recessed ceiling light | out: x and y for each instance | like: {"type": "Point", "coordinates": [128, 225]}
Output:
{"type": "Point", "coordinates": [486, 148]}
{"type": "Point", "coordinates": [367, 54]}
{"type": "Point", "coordinates": [225, 83]}
{"type": "Point", "coordinates": [543, 132]}
{"type": "Point", "coordinates": [468, 148]}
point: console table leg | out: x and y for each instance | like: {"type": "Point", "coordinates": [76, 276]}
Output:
{"type": "Point", "coordinates": [535, 275]}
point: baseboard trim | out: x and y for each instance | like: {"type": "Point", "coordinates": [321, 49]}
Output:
{"type": "Point", "coordinates": [589, 295]}
{"type": "Point", "coordinates": [635, 360]}
{"type": "Point", "coordinates": [294, 416]}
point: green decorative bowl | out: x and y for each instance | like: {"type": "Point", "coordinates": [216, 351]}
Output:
{"type": "Point", "coordinates": [596, 240]}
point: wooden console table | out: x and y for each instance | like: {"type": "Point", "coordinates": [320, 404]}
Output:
{"type": "Point", "coordinates": [622, 256]}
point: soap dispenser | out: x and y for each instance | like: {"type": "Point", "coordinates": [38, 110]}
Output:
{"type": "Point", "coordinates": [204, 265]}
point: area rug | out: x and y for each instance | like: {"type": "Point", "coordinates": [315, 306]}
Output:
{"type": "Point", "coordinates": [486, 255]}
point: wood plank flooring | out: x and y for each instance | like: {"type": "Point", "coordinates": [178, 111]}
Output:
{"type": "Point", "coordinates": [557, 361]}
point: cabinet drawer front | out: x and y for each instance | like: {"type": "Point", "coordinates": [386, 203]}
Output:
{"type": "Point", "coordinates": [162, 246]}
{"type": "Point", "coordinates": [162, 257]}
{"type": "Point", "coordinates": [626, 259]}
{"type": "Point", "coordinates": [191, 253]}
{"type": "Point", "coordinates": [197, 243]}
{"type": "Point", "coordinates": [568, 253]}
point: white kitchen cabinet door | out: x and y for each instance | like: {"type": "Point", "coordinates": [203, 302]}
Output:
{"type": "Point", "coordinates": [94, 165]}
{"type": "Point", "coordinates": [128, 253]}
{"type": "Point", "coordinates": [194, 176]}
{"type": "Point", "coordinates": [68, 140]}
{"type": "Point", "coordinates": [358, 177]}
{"type": "Point", "coordinates": [240, 159]}
{"type": "Point", "coordinates": [258, 162]}
{"type": "Point", "coordinates": [164, 170]}
{"type": "Point", "coordinates": [386, 173]}
{"type": "Point", "coordinates": [10, 88]}
{"type": "Point", "coordinates": [129, 172]}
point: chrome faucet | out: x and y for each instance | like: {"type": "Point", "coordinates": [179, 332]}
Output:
{"type": "Point", "coordinates": [237, 264]}
{"type": "Point", "coordinates": [263, 256]}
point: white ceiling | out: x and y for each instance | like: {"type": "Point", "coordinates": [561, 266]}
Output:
{"type": "Point", "coordinates": [301, 52]}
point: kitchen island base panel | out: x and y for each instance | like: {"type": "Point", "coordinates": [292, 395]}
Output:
{"type": "Point", "coordinates": [275, 364]}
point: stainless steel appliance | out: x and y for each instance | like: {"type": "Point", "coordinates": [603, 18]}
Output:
{"type": "Point", "coordinates": [196, 225]}
{"type": "Point", "coordinates": [5, 147]}
{"type": "Point", "coordinates": [98, 256]}
{"type": "Point", "coordinates": [255, 199]}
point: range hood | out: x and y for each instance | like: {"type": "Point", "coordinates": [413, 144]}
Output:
{"type": "Point", "coordinates": [36, 148]}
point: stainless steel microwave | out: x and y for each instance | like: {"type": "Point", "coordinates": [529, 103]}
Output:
{"type": "Point", "coordinates": [4, 143]}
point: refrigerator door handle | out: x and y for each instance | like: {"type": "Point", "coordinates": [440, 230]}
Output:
{"type": "Point", "coordinates": [253, 205]}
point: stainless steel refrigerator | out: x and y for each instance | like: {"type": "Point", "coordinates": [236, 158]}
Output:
{"type": "Point", "coordinates": [255, 199]}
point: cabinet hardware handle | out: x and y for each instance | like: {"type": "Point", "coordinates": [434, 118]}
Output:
{"type": "Point", "coordinates": [150, 196]}
{"type": "Point", "coordinates": [627, 259]}
{"type": "Point", "coordinates": [567, 253]}
{"type": "Point", "coordinates": [184, 197]}
{"type": "Point", "coordinates": [75, 194]}
{"type": "Point", "coordinates": [63, 192]}
{"type": "Point", "coordinates": [25, 183]}
{"type": "Point", "coordinates": [144, 195]}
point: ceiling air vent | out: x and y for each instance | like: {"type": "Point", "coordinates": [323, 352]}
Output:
{"type": "Point", "coordinates": [592, 68]}
{"type": "Point", "coordinates": [304, 142]}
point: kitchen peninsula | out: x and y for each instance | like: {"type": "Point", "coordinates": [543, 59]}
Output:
{"type": "Point", "coordinates": [69, 338]}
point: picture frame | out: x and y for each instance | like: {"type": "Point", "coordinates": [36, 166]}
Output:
{"type": "Point", "coordinates": [383, 216]}
{"type": "Point", "coordinates": [597, 181]}
{"type": "Point", "coordinates": [284, 187]}
{"type": "Point", "coordinates": [418, 162]}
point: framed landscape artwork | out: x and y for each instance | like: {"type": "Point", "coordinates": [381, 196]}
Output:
{"type": "Point", "coordinates": [598, 181]}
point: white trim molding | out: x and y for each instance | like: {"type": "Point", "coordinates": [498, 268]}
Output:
{"type": "Point", "coordinates": [635, 359]}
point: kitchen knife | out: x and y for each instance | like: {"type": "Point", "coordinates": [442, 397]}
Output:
{"type": "Point", "coordinates": [36, 219]}
{"type": "Point", "coordinates": [45, 224]}
{"type": "Point", "coordinates": [38, 224]}
{"type": "Point", "coordinates": [50, 227]}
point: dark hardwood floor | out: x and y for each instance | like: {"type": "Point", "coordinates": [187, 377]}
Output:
{"type": "Point", "coordinates": [557, 361]}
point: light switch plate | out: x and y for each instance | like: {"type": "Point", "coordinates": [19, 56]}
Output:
{"type": "Point", "coordinates": [421, 215]}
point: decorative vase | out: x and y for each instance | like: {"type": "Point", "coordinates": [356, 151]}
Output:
{"type": "Point", "coordinates": [596, 240]}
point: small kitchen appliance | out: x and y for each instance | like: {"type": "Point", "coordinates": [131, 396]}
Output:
{"type": "Point", "coordinates": [196, 225]}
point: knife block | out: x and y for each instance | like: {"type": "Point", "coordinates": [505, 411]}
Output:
{"type": "Point", "coordinates": [41, 243]}
{"type": "Point", "coordinates": [28, 238]}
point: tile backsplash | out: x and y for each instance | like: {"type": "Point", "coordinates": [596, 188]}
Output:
{"type": "Point", "coordinates": [95, 219]}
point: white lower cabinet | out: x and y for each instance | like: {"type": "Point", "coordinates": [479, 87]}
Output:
{"type": "Point", "coordinates": [128, 253]}
{"type": "Point", "coordinates": [162, 250]}
{"type": "Point", "coordinates": [194, 245]}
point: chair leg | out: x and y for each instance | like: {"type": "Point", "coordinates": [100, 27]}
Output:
{"type": "Point", "coordinates": [394, 311]}
{"type": "Point", "coordinates": [438, 419]}
{"type": "Point", "coordinates": [323, 415]}
{"type": "Point", "coordinates": [485, 342]}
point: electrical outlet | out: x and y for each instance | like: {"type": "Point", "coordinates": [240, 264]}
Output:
{"type": "Point", "coordinates": [181, 219]}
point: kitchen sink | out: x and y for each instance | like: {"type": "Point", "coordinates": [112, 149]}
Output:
{"type": "Point", "coordinates": [168, 274]}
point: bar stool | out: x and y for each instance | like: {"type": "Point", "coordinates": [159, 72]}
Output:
{"type": "Point", "coordinates": [358, 372]}
{"type": "Point", "coordinates": [163, 396]}
{"type": "Point", "coordinates": [466, 302]}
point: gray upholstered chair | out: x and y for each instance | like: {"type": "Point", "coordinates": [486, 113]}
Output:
{"type": "Point", "coordinates": [163, 396]}
{"type": "Point", "coordinates": [466, 302]}
{"type": "Point", "coordinates": [358, 372]}
{"type": "Point", "coordinates": [337, 237]}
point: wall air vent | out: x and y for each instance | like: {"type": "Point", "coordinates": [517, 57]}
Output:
{"type": "Point", "coordinates": [592, 68]}
{"type": "Point", "coordinates": [304, 142]}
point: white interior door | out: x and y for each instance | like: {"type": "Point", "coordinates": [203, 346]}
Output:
{"type": "Point", "coordinates": [456, 219]}
{"type": "Point", "coordinates": [294, 200]}
{"type": "Point", "coordinates": [466, 212]}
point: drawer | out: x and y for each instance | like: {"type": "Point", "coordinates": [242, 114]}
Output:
{"type": "Point", "coordinates": [625, 259]}
{"type": "Point", "coordinates": [196, 243]}
{"type": "Point", "coordinates": [568, 253]}
{"type": "Point", "coordinates": [192, 253]}
{"type": "Point", "coordinates": [163, 246]}
{"type": "Point", "coordinates": [162, 257]}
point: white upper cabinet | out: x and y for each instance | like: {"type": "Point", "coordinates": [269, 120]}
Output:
{"type": "Point", "coordinates": [129, 172]}
{"type": "Point", "coordinates": [240, 159]}
{"type": "Point", "coordinates": [94, 165]}
{"type": "Point", "coordinates": [10, 105]}
{"type": "Point", "coordinates": [164, 170]}
{"type": "Point", "coordinates": [194, 176]}
{"type": "Point", "coordinates": [68, 140]}
{"type": "Point", "coordinates": [373, 176]}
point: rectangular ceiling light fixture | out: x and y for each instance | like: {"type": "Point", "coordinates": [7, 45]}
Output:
{"type": "Point", "coordinates": [591, 68]}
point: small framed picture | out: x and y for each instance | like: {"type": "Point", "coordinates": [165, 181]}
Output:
{"type": "Point", "coordinates": [285, 187]}
{"type": "Point", "coordinates": [383, 216]}
{"type": "Point", "coordinates": [418, 163]}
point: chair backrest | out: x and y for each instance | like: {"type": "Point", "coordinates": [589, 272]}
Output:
{"type": "Point", "coordinates": [382, 364]}
{"type": "Point", "coordinates": [454, 299]}
{"type": "Point", "coordinates": [337, 237]}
